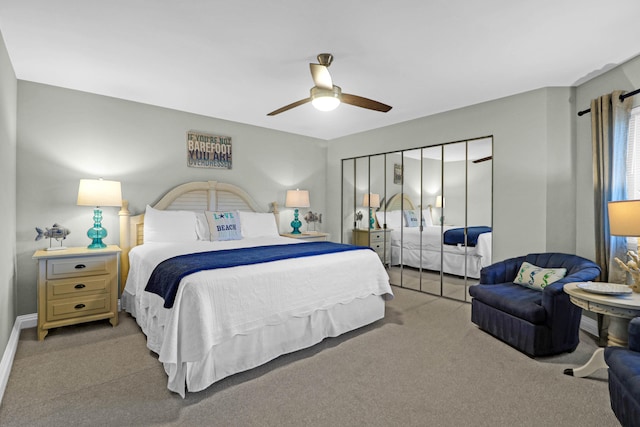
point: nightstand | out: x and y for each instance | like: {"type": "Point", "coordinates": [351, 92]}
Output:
{"type": "Point", "coordinates": [377, 238]}
{"type": "Point", "coordinates": [77, 285]}
{"type": "Point", "coordinates": [313, 237]}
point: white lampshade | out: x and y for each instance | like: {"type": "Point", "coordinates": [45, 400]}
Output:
{"type": "Point", "coordinates": [99, 192]}
{"type": "Point", "coordinates": [297, 199]}
{"type": "Point", "coordinates": [624, 218]}
{"type": "Point", "coordinates": [371, 200]}
{"type": "Point", "coordinates": [439, 202]}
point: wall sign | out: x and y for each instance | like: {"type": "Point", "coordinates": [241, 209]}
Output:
{"type": "Point", "coordinates": [397, 173]}
{"type": "Point", "coordinates": [208, 151]}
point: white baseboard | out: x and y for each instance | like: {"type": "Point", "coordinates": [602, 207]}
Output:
{"type": "Point", "coordinates": [22, 322]}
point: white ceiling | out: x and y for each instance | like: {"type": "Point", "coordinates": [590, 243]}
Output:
{"type": "Point", "coordinates": [238, 60]}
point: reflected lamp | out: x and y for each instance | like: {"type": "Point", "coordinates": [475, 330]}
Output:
{"type": "Point", "coordinates": [440, 204]}
{"type": "Point", "coordinates": [98, 192]}
{"type": "Point", "coordinates": [296, 199]}
{"type": "Point", "coordinates": [371, 201]}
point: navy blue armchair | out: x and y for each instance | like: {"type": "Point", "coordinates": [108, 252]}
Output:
{"type": "Point", "coordinates": [538, 323]}
{"type": "Point", "coordinates": [624, 377]}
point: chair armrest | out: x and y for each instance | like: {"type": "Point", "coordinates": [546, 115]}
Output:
{"type": "Point", "coordinates": [584, 275]}
{"type": "Point", "coordinates": [500, 272]}
{"type": "Point", "coordinates": [634, 334]}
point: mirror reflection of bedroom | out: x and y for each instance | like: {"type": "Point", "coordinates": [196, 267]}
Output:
{"type": "Point", "coordinates": [427, 212]}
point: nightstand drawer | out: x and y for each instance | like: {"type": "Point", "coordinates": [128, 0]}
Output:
{"type": "Point", "coordinates": [377, 236]}
{"type": "Point", "coordinates": [77, 307]}
{"type": "Point", "coordinates": [384, 252]}
{"type": "Point", "coordinates": [74, 267]}
{"type": "Point", "coordinates": [66, 288]}
{"type": "Point", "coordinates": [381, 247]}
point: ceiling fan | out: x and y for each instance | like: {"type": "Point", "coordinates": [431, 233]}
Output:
{"type": "Point", "coordinates": [326, 96]}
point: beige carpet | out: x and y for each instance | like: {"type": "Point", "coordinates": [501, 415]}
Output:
{"type": "Point", "coordinates": [425, 364]}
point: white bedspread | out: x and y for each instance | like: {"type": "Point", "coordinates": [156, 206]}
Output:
{"type": "Point", "coordinates": [215, 305]}
{"type": "Point", "coordinates": [431, 240]}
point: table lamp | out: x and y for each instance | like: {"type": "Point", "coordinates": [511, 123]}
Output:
{"type": "Point", "coordinates": [98, 192]}
{"type": "Point", "coordinates": [371, 200]}
{"type": "Point", "coordinates": [440, 204]}
{"type": "Point", "coordinates": [297, 199]}
{"type": "Point", "coordinates": [624, 220]}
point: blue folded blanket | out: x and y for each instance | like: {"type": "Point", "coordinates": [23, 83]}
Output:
{"type": "Point", "coordinates": [455, 236]}
{"type": "Point", "coordinates": [166, 277]}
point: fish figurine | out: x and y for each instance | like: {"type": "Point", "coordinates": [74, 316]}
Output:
{"type": "Point", "coordinates": [56, 231]}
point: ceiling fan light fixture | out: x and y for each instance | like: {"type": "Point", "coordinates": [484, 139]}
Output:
{"type": "Point", "coordinates": [326, 99]}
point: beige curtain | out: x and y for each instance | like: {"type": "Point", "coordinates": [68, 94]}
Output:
{"type": "Point", "coordinates": [609, 128]}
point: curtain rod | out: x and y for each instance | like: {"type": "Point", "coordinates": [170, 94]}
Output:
{"type": "Point", "coordinates": [622, 98]}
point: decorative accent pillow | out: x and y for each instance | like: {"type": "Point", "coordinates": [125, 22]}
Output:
{"type": "Point", "coordinates": [393, 218]}
{"type": "Point", "coordinates": [169, 226]}
{"type": "Point", "coordinates": [538, 278]}
{"type": "Point", "coordinates": [411, 218]}
{"type": "Point", "coordinates": [258, 224]}
{"type": "Point", "coordinates": [224, 225]}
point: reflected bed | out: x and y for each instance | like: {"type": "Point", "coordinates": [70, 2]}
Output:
{"type": "Point", "coordinates": [413, 247]}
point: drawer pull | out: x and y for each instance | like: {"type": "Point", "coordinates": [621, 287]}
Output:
{"type": "Point", "coordinates": [80, 286]}
{"type": "Point", "coordinates": [80, 266]}
{"type": "Point", "coordinates": [79, 306]}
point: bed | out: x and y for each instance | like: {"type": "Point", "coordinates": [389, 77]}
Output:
{"type": "Point", "coordinates": [424, 249]}
{"type": "Point", "coordinates": [227, 320]}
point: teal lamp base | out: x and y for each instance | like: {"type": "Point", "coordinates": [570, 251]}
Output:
{"type": "Point", "coordinates": [97, 233]}
{"type": "Point", "coordinates": [371, 218]}
{"type": "Point", "coordinates": [296, 224]}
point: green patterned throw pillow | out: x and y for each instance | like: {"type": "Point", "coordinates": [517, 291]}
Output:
{"type": "Point", "coordinates": [538, 278]}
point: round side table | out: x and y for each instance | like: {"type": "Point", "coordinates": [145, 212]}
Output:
{"type": "Point", "coordinates": [619, 308]}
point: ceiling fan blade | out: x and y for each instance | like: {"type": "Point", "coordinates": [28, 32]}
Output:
{"type": "Point", "coordinates": [321, 76]}
{"type": "Point", "coordinates": [288, 107]}
{"type": "Point", "coordinates": [359, 101]}
{"type": "Point", "coordinates": [484, 159]}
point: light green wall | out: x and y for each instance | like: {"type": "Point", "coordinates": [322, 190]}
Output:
{"type": "Point", "coordinates": [66, 135]}
{"type": "Point", "coordinates": [542, 162]}
{"type": "Point", "coordinates": [525, 182]}
{"type": "Point", "coordinates": [8, 96]}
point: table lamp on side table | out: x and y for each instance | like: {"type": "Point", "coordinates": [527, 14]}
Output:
{"type": "Point", "coordinates": [297, 199]}
{"type": "Point", "coordinates": [624, 220]}
{"type": "Point", "coordinates": [98, 192]}
{"type": "Point", "coordinates": [371, 201]}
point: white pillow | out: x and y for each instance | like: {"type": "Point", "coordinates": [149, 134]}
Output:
{"type": "Point", "coordinates": [202, 226]}
{"type": "Point", "coordinates": [394, 219]}
{"type": "Point", "coordinates": [258, 224]}
{"type": "Point", "coordinates": [224, 225]}
{"type": "Point", "coordinates": [169, 226]}
{"type": "Point", "coordinates": [427, 218]}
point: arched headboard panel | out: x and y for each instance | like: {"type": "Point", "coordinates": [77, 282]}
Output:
{"type": "Point", "coordinates": [399, 201]}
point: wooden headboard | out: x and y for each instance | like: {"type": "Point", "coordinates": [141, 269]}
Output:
{"type": "Point", "coordinates": [398, 202]}
{"type": "Point", "coordinates": [195, 196]}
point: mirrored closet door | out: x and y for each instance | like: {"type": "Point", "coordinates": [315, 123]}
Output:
{"type": "Point", "coordinates": [427, 212]}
